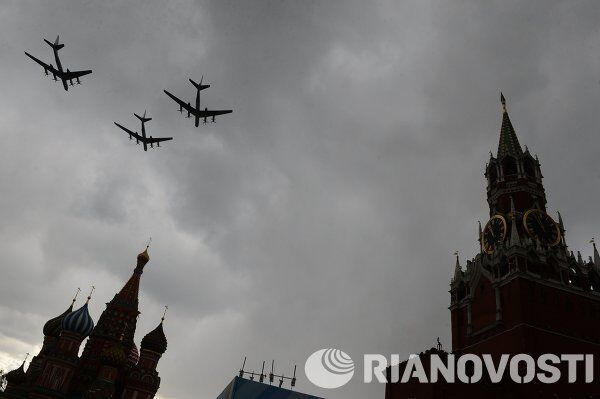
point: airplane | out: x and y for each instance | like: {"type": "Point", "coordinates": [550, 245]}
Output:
{"type": "Point", "coordinates": [58, 71]}
{"type": "Point", "coordinates": [196, 111]}
{"type": "Point", "coordinates": [145, 140]}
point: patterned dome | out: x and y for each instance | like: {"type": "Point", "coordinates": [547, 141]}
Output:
{"type": "Point", "coordinates": [17, 376]}
{"type": "Point", "coordinates": [53, 327]}
{"type": "Point", "coordinates": [79, 322]}
{"type": "Point", "coordinates": [133, 357]}
{"type": "Point", "coordinates": [155, 340]}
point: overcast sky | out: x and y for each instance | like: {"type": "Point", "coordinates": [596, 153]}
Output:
{"type": "Point", "coordinates": [323, 212]}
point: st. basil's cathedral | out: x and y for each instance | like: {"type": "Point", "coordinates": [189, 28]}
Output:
{"type": "Point", "coordinates": [110, 365]}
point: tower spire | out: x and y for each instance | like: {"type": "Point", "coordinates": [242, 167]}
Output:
{"type": "Point", "coordinates": [596, 255]}
{"type": "Point", "coordinates": [509, 143]}
{"type": "Point", "coordinates": [457, 268]}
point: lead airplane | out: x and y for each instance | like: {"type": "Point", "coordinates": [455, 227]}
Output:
{"type": "Point", "coordinates": [145, 140]}
{"type": "Point", "coordinates": [58, 71]}
{"type": "Point", "coordinates": [196, 111]}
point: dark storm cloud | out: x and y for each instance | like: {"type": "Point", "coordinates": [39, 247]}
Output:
{"type": "Point", "coordinates": [324, 211]}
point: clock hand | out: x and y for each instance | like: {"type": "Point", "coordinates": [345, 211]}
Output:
{"type": "Point", "coordinates": [542, 227]}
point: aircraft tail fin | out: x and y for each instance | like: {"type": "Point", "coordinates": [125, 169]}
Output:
{"type": "Point", "coordinates": [143, 118]}
{"type": "Point", "coordinates": [199, 86]}
{"type": "Point", "coordinates": [55, 45]}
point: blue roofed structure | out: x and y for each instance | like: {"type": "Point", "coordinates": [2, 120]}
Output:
{"type": "Point", "coordinates": [241, 388]}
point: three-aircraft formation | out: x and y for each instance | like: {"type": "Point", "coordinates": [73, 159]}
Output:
{"type": "Point", "coordinates": [67, 79]}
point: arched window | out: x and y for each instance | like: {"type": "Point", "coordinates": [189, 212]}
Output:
{"type": "Point", "coordinates": [509, 166]}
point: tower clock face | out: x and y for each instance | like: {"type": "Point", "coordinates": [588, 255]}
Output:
{"type": "Point", "coordinates": [494, 233]}
{"type": "Point", "coordinates": [541, 227]}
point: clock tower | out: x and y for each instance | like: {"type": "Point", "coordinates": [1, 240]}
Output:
{"type": "Point", "coordinates": [524, 292]}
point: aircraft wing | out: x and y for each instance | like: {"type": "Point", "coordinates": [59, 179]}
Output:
{"type": "Point", "coordinates": [75, 74]}
{"type": "Point", "coordinates": [131, 134]}
{"type": "Point", "coordinates": [158, 139]}
{"type": "Point", "coordinates": [182, 104]}
{"type": "Point", "coordinates": [208, 113]}
{"type": "Point", "coordinates": [44, 65]}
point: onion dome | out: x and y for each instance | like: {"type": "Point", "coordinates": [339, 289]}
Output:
{"type": "Point", "coordinates": [53, 327]}
{"type": "Point", "coordinates": [79, 322]}
{"type": "Point", "coordinates": [114, 355]}
{"type": "Point", "coordinates": [133, 357]}
{"type": "Point", "coordinates": [155, 340]}
{"type": "Point", "coordinates": [142, 259]}
{"type": "Point", "coordinates": [17, 376]}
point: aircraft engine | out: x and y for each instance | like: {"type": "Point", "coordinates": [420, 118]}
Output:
{"type": "Point", "coordinates": [46, 71]}
{"type": "Point", "coordinates": [78, 82]}
{"type": "Point", "coordinates": [213, 119]}
{"type": "Point", "coordinates": [158, 144]}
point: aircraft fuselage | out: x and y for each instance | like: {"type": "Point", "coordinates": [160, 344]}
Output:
{"type": "Point", "coordinates": [144, 136]}
{"type": "Point", "coordinates": [60, 69]}
{"type": "Point", "coordinates": [198, 106]}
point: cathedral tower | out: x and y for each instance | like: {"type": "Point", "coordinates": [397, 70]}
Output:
{"type": "Point", "coordinates": [116, 323]}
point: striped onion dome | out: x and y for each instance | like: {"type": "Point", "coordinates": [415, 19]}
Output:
{"type": "Point", "coordinates": [79, 322]}
{"type": "Point", "coordinates": [133, 356]}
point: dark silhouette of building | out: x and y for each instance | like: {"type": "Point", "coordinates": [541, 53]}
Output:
{"type": "Point", "coordinates": [110, 366]}
{"type": "Point", "coordinates": [524, 292]}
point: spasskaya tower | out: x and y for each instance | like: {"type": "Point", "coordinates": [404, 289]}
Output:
{"type": "Point", "coordinates": [525, 292]}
